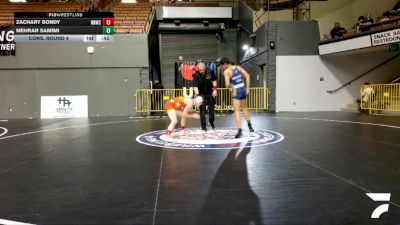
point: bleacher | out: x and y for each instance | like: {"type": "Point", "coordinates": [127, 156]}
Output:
{"type": "Point", "coordinates": [393, 21]}
{"type": "Point", "coordinates": [7, 9]}
{"type": "Point", "coordinates": [382, 23]}
{"type": "Point", "coordinates": [131, 18]}
{"type": "Point", "coordinates": [191, 4]}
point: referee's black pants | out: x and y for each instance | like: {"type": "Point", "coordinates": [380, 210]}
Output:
{"type": "Point", "coordinates": [209, 101]}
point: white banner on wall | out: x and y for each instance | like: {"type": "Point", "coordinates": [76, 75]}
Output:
{"type": "Point", "coordinates": [346, 45]}
{"type": "Point", "coordinates": [64, 106]}
{"type": "Point", "coordinates": [387, 37]}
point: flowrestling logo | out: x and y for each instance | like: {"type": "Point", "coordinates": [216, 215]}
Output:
{"type": "Point", "coordinates": [220, 138]}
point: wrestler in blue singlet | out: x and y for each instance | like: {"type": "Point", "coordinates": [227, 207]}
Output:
{"type": "Point", "coordinates": [238, 83]}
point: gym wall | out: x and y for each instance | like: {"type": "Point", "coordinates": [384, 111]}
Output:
{"type": "Point", "coordinates": [246, 16]}
{"type": "Point", "coordinates": [300, 88]}
{"type": "Point", "coordinates": [261, 17]}
{"type": "Point", "coordinates": [109, 76]}
{"type": "Point", "coordinates": [289, 38]}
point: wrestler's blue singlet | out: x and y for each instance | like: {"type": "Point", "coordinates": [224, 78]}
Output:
{"type": "Point", "coordinates": [237, 81]}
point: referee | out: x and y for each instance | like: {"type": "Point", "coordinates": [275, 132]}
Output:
{"type": "Point", "coordinates": [205, 84]}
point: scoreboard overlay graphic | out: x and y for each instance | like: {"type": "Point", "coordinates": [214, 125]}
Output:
{"type": "Point", "coordinates": [64, 27]}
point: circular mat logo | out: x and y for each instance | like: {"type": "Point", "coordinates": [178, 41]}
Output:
{"type": "Point", "coordinates": [220, 138]}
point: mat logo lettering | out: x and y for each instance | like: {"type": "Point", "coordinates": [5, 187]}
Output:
{"type": "Point", "coordinates": [379, 197]}
{"type": "Point", "coordinates": [221, 138]}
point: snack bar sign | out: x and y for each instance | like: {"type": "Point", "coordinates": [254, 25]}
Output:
{"type": "Point", "coordinates": [387, 37]}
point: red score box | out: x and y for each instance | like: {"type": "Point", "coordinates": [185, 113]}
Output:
{"type": "Point", "coordinates": [108, 21]}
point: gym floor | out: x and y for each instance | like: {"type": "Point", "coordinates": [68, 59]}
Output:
{"type": "Point", "coordinates": [93, 171]}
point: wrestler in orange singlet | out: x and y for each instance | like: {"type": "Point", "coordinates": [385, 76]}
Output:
{"type": "Point", "coordinates": [180, 106]}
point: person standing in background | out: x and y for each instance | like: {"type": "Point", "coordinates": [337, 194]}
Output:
{"type": "Point", "coordinates": [366, 97]}
{"type": "Point", "coordinates": [337, 31]}
{"type": "Point", "coordinates": [205, 84]}
{"type": "Point", "coordinates": [360, 25]}
{"type": "Point", "coordinates": [367, 93]}
{"type": "Point", "coordinates": [157, 97]}
{"type": "Point", "coordinates": [369, 18]}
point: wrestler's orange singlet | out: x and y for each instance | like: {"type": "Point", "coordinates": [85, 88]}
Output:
{"type": "Point", "coordinates": [177, 103]}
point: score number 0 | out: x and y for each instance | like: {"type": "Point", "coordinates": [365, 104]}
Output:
{"type": "Point", "coordinates": [108, 26]}
{"type": "Point", "coordinates": [108, 21]}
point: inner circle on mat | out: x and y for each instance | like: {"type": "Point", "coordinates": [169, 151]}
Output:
{"type": "Point", "coordinates": [220, 138]}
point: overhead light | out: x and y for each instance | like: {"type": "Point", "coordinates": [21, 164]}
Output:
{"type": "Point", "coordinates": [245, 47]}
{"type": "Point", "coordinates": [15, 1]}
{"type": "Point", "coordinates": [128, 1]}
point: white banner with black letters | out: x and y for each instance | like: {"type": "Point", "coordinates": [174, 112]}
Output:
{"type": "Point", "coordinates": [7, 41]}
{"type": "Point", "coordinates": [64, 106]}
{"type": "Point", "coordinates": [387, 37]}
